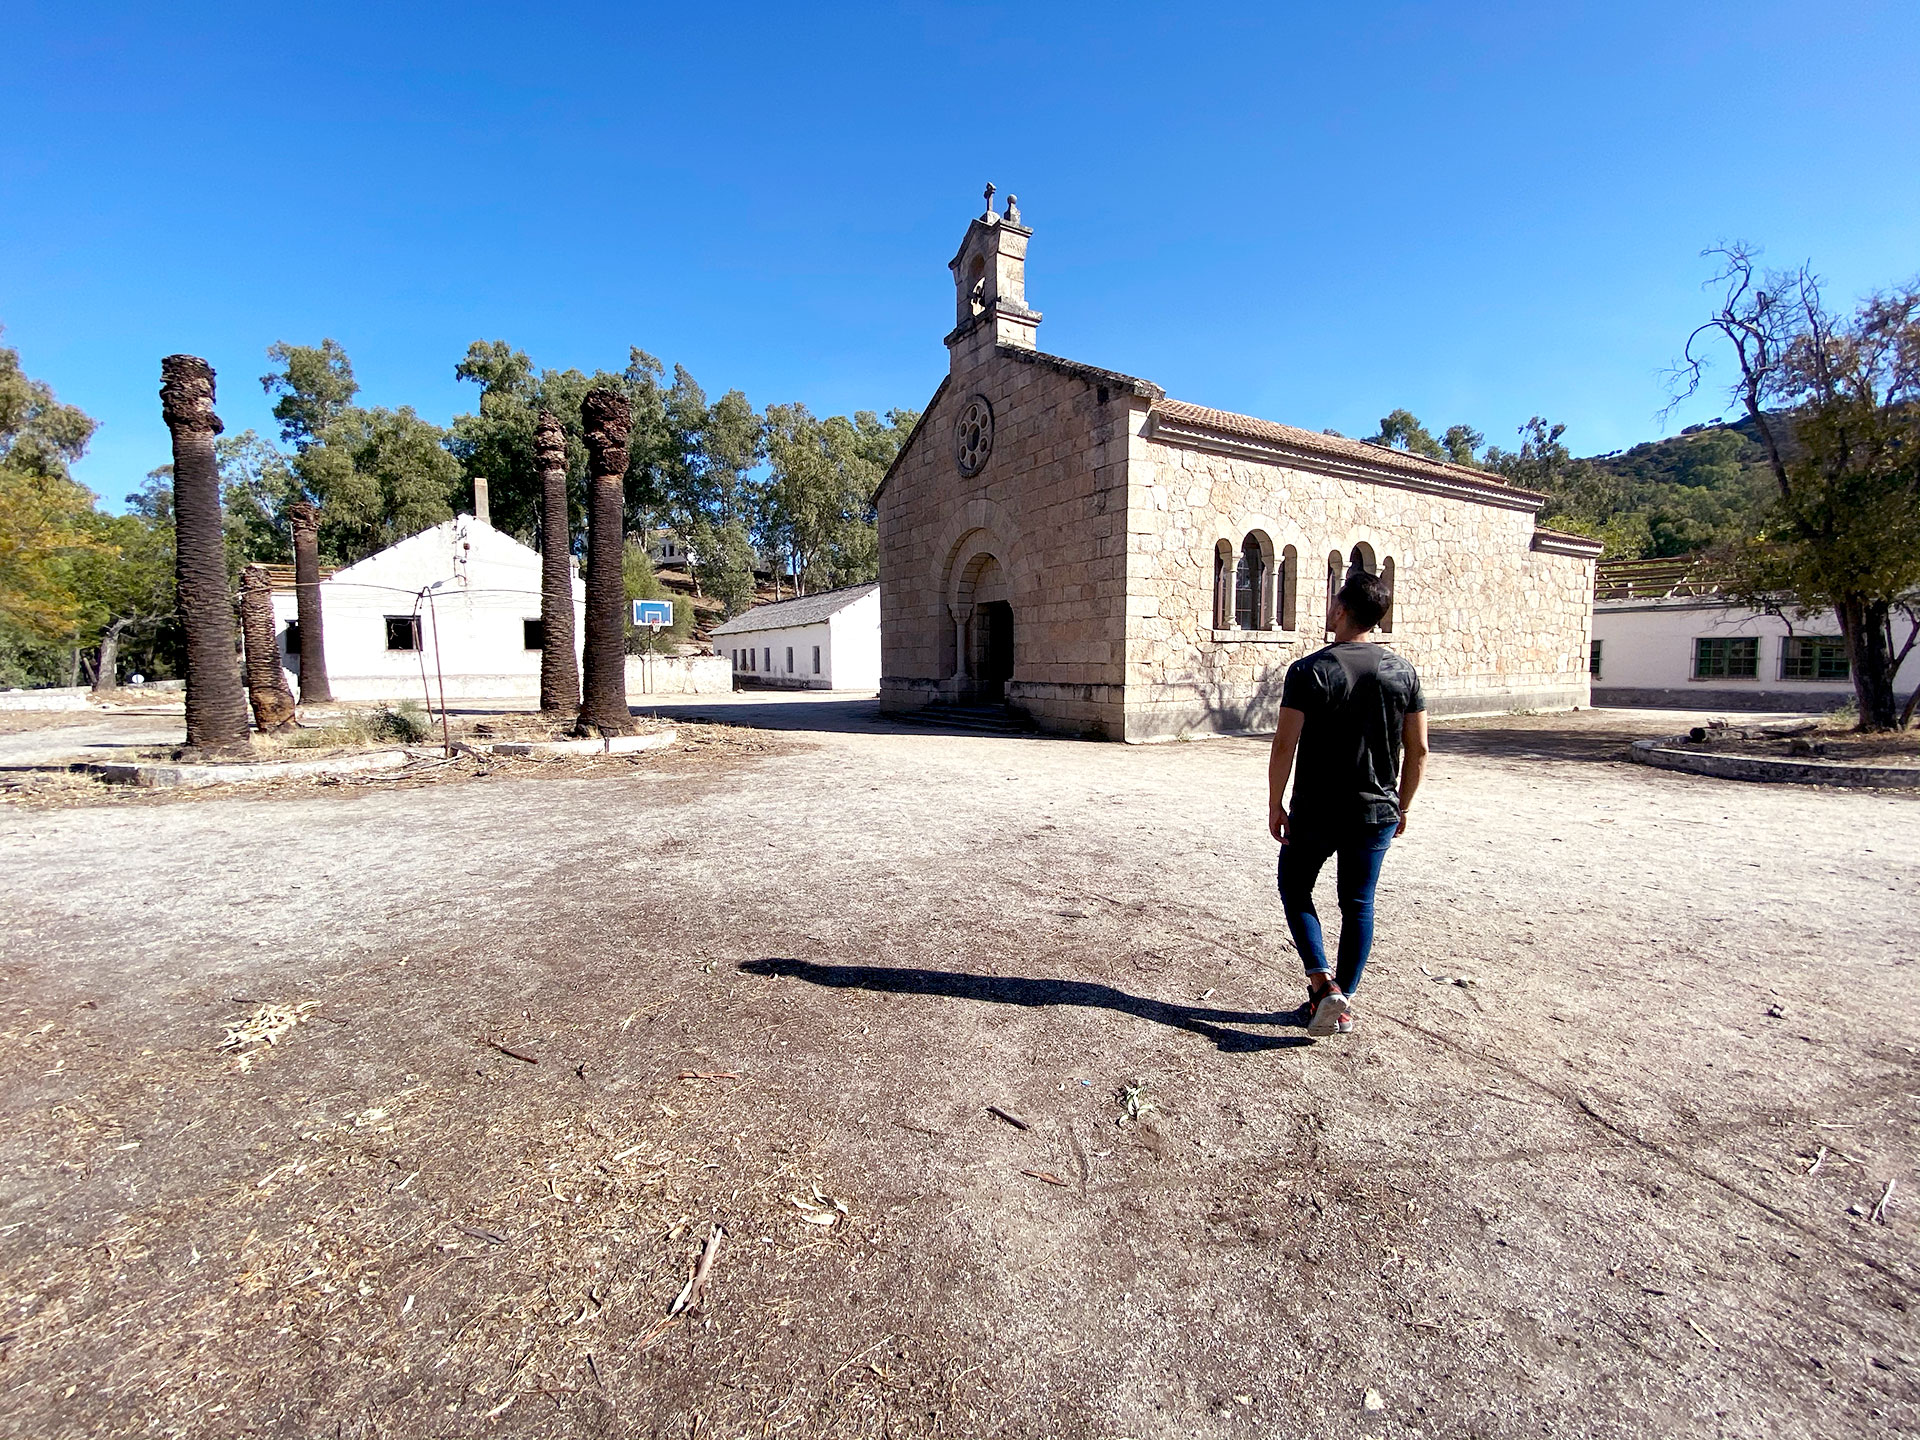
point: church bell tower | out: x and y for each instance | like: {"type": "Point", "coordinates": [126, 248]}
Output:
{"type": "Point", "coordinates": [990, 286]}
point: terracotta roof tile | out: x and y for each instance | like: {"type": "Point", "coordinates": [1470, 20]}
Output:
{"type": "Point", "coordinates": [1336, 446]}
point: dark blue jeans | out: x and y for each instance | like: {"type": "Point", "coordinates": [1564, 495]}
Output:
{"type": "Point", "coordinates": [1360, 849]}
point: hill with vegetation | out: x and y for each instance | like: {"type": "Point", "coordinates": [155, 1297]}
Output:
{"type": "Point", "coordinates": [1674, 496]}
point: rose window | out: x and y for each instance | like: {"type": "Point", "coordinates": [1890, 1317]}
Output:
{"type": "Point", "coordinates": [973, 436]}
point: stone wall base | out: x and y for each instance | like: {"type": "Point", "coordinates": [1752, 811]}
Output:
{"type": "Point", "coordinates": [1181, 714]}
{"type": "Point", "coordinates": [1700, 697]}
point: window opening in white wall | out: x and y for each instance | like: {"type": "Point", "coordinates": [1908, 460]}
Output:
{"type": "Point", "coordinates": [789, 659]}
{"type": "Point", "coordinates": [533, 634]}
{"type": "Point", "coordinates": [403, 632]}
{"type": "Point", "coordinates": [1726, 657]}
{"type": "Point", "coordinates": [766, 662]}
{"type": "Point", "coordinates": [1814, 657]}
{"type": "Point", "coordinates": [1593, 660]}
{"type": "Point", "coordinates": [816, 659]}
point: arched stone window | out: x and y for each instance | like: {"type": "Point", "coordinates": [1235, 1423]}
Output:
{"type": "Point", "coordinates": [1386, 574]}
{"type": "Point", "coordinates": [1252, 584]}
{"type": "Point", "coordinates": [1289, 586]}
{"type": "Point", "coordinates": [1336, 572]}
{"type": "Point", "coordinates": [1223, 585]}
{"type": "Point", "coordinates": [1362, 559]}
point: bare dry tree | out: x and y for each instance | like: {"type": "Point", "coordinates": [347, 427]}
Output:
{"type": "Point", "coordinates": [216, 707]}
{"type": "Point", "coordinates": [1835, 400]}
{"type": "Point", "coordinates": [559, 667]}
{"type": "Point", "coordinates": [315, 688]}
{"type": "Point", "coordinates": [266, 681]}
{"type": "Point", "coordinates": [608, 420]}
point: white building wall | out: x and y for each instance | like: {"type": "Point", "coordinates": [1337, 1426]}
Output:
{"type": "Point", "coordinates": [1647, 657]}
{"type": "Point", "coordinates": [855, 647]}
{"type": "Point", "coordinates": [770, 646]}
{"type": "Point", "coordinates": [484, 586]}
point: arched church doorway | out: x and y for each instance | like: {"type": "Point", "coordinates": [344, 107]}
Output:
{"type": "Point", "coordinates": [983, 625]}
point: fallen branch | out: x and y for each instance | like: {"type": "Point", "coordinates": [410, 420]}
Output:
{"type": "Point", "coordinates": [1818, 1161]}
{"type": "Point", "coordinates": [697, 1285]}
{"type": "Point", "coordinates": [705, 1075]}
{"type": "Point", "coordinates": [1009, 1117]}
{"type": "Point", "coordinates": [1046, 1175]}
{"type": "Point", "coordinates": [1879, 1215]}
{"type": "Point", "coordinates": [509, 1050]}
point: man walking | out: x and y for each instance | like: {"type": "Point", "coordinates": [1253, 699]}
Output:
{"type": "Point", "coordinates": [1351, 711]}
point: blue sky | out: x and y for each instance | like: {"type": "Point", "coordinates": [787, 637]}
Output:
{"type": "Point", "coordinates": [1312, 213]}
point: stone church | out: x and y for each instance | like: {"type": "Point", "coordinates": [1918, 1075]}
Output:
{"type": "Point", "coordinates": [1068, 541]}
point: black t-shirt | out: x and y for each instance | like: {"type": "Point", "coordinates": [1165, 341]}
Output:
{"type": "Point", "coordinates": [1355, 697]}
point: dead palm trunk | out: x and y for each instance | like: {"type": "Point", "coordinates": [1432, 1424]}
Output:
{"type": "Point", "coordinates": [559, 666]}
{"type": "Point", "coordinates": [266, 681]}
{"type": "Point", "coordinates": [216, 708]}
{"type": "Point", "coordinates": [314, 687]}
{"type": "Point", "coordinates": [608, 420]}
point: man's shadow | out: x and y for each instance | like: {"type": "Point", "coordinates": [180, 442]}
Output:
{"type": "Point", "coordinates": [1016, 990]}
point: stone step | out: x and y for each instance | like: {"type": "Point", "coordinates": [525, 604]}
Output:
{"type": "Point", "coordinates": [977, 719]}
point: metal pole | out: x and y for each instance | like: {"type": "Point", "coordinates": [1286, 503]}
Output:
{"type": "Point", "coordinates": [446, 735]}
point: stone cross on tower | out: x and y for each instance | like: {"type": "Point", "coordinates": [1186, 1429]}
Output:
{"type": "Point", "coordinates": [989, 217]}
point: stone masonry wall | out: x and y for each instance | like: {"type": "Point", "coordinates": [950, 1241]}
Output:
{"type": "Point", "coordinates": [1048, 506]}
{"type": "Point", "coordinates": [1490, 623]}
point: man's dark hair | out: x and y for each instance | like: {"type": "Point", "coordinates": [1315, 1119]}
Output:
{"type": "Point", "coordinates": [1366, 598]}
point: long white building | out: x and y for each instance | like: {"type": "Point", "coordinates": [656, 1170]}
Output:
{"type": "Point", "coordinates": [1664, 636]}
{"type": "Point", "coordinates": [828, 641]}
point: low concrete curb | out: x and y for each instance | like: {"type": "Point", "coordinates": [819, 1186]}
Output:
{"type": "Point", "coordinates": [163, 776]}
{"type": "Point", "coordinates": [608, 745]}
{"type": "Point", "coordinates": [1665, 754]}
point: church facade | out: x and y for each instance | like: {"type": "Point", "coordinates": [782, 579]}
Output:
{"type": "Point", "coordinates": [1111, 562]}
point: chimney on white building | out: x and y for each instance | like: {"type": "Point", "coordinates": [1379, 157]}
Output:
{"type": "Point", "coordinates": [480, 500]}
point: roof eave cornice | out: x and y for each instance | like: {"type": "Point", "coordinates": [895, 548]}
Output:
{"type": "Point", "coordinates": [1278, 452]}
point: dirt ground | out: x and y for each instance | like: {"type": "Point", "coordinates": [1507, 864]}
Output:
{"type": "Point", "coordinates": [538, 1034]}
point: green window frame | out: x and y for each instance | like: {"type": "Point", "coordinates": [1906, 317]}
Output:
{"type": "Point", "coordinates": [1814, 657]}
{"type": "Point", "coordinates": [1726, 657]}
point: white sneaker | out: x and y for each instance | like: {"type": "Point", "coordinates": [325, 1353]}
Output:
{"type": "Point", "coordinates": [1328, 1012]}
{"type": "Point", "coordinates": [1344, 1026]}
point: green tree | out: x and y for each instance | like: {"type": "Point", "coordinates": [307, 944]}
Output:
{"type": "Point", "coordinates": [1835, 401]}
{"type": "Point", "coordinates": [47, 522]}
{"type": "Point", "coordinates": [1460, 443]}
{"type": "Point", "coordinates": [315, 385]}
{"type": "Point", "coordinates": [642, 584]}
{"type": "Point", "coordinates": [377, 475]}
{"type": "Point", "coordinates": [496, 440]}
{"type": "Point", "coordinates": [1581, 497]}
{"type": "Point", "coordinates": [1401, 430]}
{"type": "Point", "coordinates": [817, 506]}
{"type": "Point", "coordinates": [126, 588]}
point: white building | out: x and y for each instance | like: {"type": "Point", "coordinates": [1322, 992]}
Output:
{"type": "Point", "coordinates": [665, 547]}
{"type": "Point", "coordinates": [457, 605]}
{"type": "Point", "coordinates": [1663, 636]}
{"type": "Point", "coordinates": [828, 641]}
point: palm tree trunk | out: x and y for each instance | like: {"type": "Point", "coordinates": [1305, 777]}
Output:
{"type": "Point", "coordinates": [559, 666]}
{"type": "Point", "coordinates": [314, 686]}
{"type": "Point", "coordinates": [266, 681]}
{"type": "Point", "coordinates": [609, 421]}
{"type": "Point", "coordinates": [216, 707]}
